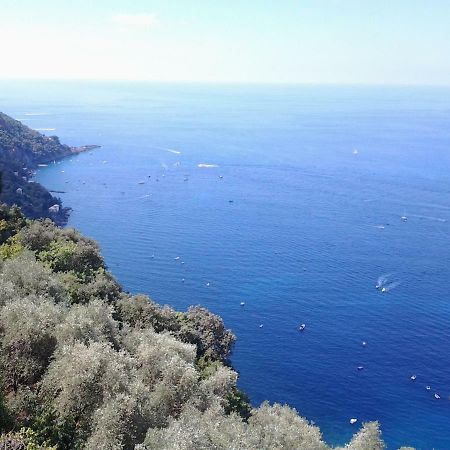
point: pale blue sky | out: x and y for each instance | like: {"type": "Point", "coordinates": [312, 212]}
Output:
{"type": "Point", "coordinates": [284, 41]}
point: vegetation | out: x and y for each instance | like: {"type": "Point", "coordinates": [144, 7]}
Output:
{"type": "Point", "coordinates": [21, 150]}
{"type": "Point", "coordinates": [85, 365]}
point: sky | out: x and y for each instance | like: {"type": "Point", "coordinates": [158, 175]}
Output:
{"type": "Point", "coordinates": [245, 41]}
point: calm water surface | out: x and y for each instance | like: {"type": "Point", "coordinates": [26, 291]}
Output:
{"type": "Point", "coordinates": [299, 228]}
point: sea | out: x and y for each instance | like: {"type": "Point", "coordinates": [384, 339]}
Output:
{"type": "Point", "coordinates": [276, 206]}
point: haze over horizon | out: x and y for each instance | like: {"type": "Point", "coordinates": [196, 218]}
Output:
{"type": "Point", "coordinates": [306, 41]}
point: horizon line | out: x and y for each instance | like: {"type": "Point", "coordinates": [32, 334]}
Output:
{"type": "Point", "coordinates": [229, 82]}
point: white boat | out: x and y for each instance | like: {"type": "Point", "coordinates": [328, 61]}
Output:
{"type": "Point", "coordinates": [242, 303]}
{"type": "Point", "coordinates": [302, 327]}
{"type": "Point", "coordinates": [353, 421]}
{"type": "Point", "coordinates": [428, 388]}
{"type": "Point", "coordinates": [413, 377]}
{"type": "Point", "coordinates": [437, 396]}
{"type": "Point", "coordinates": [404, 218]}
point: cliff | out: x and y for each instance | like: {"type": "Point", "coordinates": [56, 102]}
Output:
{"type": "Point", "coordinates": [21, 151]}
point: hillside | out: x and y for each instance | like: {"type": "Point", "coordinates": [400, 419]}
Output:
{"type": "Point", "coordinates": [85, 365]}
{"type": "Point", "coordinates": [21, 151]}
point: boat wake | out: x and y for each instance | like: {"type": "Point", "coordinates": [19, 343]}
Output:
{"type": "Point", "coordinates": [384, 284]}
{"type": "Point", "coordinates": [207, 166]}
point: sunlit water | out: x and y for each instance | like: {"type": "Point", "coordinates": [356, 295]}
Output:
{"type": "Point", "coordinates": [300, 228]}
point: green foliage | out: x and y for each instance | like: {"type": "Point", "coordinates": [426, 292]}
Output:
{"type": "Point", "coordinates": [82, 258]}
{"type": "Point", "coordinates": [92, 322]}
{"type": "Point", "coordinates": [25, 439]}
{"type": "Point", "coordinates": [50, 430]}
{"type": "Point", "coordinates": [23, 276]}
{"type": "Point", "coordinates": [87, 366]}
{"type": "Point", "coordinates": [28, 341]}
{"type": "Point", "coordinates": [238, 402]}
{"type": "Point", "coordinates": [11, 221]}
{"type": "Point", "coordinates": [368, 438]}
{"type": "Point", "coordinates": [101, 285]}
{"type": "Point", "coordinates": [12, 247]}
{"type": "Point", "coordinates": [141, 312]}
{"type": "Point", "coordinates": [213, 340]}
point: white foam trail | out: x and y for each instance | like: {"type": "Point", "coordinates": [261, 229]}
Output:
{"type": "Point", "coordinates": [382, 280]}
{"type": "Point", "coordinates": [391, 286]}
{"type": "Point", "coordinates": [207, 166]}
{"type": "Point", "coordinates": [45, 129]}
{"type": "Point", "coordinates": [171, 150]}
{"type": "Point", "coordinates": [35, 114]}
{"type": "Point", "coordinates": [437, 219]}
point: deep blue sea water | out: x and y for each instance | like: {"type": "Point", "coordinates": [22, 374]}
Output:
{"type": "Point", "coordinates": [310, 228]}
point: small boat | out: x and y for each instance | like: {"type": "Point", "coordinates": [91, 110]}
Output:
{"type": "Point", "coordinates": [220, 176]}
{"type": "Point", "coordinates": [141, 182]}
{"type": "Point", "coordinates": [413, 377]}
{"type": "Point", "coordinates": [353, 421]}
{"type": "Point", "coordinates": [242, 303]}
{"type": "Point", "coordinates": [437, 396]}
{"type": "Point", "coordinates": [177, 258]}
{"type": "Point", "coordinates": [360, 367]}
{"type": "Point", "coordinates": [207, 284]}
{"type": "Point", "coordinates": [364, 343]}
{"type": "Point", "coordinates": [182, 280]}
{"type": "Point", "coordinates": [383, 289]}
{"type": "Point", "coordinates": [302, 327]}
{"type": "Point", "coordinates": [404, 218]}
{"type": "Point", "coordinates": [428, 388]}
{"type": "Point", "coordinates": [261, 326]}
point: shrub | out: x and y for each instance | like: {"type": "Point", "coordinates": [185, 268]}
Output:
{"type": "Point", "coordinates": [27, 339]}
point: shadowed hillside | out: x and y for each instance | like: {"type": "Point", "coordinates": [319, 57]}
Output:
{"type": "Point", "coordinates": [21, 151]}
